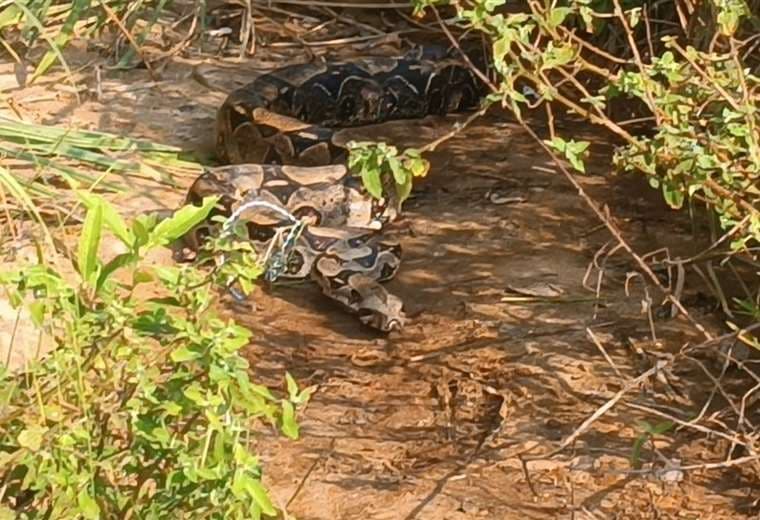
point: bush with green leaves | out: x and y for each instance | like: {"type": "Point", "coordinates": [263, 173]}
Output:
{"type": "Point", "coordinates": [689, 70]}
{"type": "Point", "coordinates": [146, 408]}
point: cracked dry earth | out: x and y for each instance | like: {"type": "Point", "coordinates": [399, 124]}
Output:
{"type": "Point", "coordinates": [496, 365]}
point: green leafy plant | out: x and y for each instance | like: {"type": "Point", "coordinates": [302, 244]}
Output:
{"type": "Point", "coordinates": [680, 94]}
{"type": "Point", "coordinates": [648, 432]}
{"type": "Point", "coordinates": [384, 171]}
{"type": "Point", "coordinates": [146, 407]}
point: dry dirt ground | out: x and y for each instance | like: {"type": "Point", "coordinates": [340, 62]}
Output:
{"type": "Point", "coordinates": [449, 419]}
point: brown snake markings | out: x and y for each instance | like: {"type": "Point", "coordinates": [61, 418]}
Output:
{"type": "Point", "coordinates": [276, 135]}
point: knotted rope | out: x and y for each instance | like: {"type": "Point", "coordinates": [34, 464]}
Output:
{"type": "Point", "coordinates": [275, 260]}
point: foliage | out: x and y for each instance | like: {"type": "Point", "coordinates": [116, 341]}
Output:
{"type": "Point", "coordinates": [677, 83]}
{"type": "Point", "coordinates": [57, 22]}
{"type": "Point", "coordinates": [383, 169]}
{"type": "Point", "coordinates": [707, 141]}
{"type": "Point", "coordinates": [572, 150]}
{"type": "Point", "coordinates": [146, 408]}
{"type": "Point", "coordinates": [648, 433]}
{"type": "Point", "coordinates": [690, 75]}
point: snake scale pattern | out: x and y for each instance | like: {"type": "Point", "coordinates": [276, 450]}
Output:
{"type": "Point", "coordinates": [276, 139]}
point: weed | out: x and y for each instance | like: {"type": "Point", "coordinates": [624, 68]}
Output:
{"type": "Point", "coordinates": [145, 409]}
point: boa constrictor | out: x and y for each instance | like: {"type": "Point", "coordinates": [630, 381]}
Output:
{"type": "Point", "coordinates": [276, 135]}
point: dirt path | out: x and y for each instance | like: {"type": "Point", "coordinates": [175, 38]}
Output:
{"type": "Point", "coordinates": [435, 422]}
{"type": "Point", "coordinates": [432, 424]}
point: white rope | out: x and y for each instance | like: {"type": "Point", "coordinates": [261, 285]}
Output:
{"type": "Point", "coordinates": [257, 203]}
{"type": "Point", "coordinates": [295, 230]}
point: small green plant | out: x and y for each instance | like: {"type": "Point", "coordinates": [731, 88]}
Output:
{"type": "Point", "coordinates": [648, 432]}
{"type": "Point", "coordinates": [572, 150]}
{"type": "Point", "coordinates": [384, 171]}
{"type": "Point", "coordinates": [146, 408]}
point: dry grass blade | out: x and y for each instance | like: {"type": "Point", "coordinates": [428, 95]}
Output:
{"type": "Point", "coordinates": [78, 159]}
{"type": "Point", "coordinates": [606, 407]}
{"type": "Point", "coordinates": [54, 47]}
{"type": "Point", "coordinates": [96, 149]}
{"type": "Point", "coordinates": [18, 192]}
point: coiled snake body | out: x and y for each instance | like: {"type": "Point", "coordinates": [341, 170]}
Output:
{"type": "Point", "coordinates": [276, 134]}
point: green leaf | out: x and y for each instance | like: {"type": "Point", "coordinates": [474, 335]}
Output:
{"type": "Point", "coordinates": [558, 15]}
{"type": "Point", "coordinates": [114, 265]}
{"type": "Point", "coordinates": [501, 47]}
{"type": "Point", "coordinates": [731, 12]}
{"type": "Point", "coordinates": [37, 311]}
{"type": "Point", "coordinates": [111, 217]}
{"type": "Point", "coordinates": [259, 494]}
{"type": "Point", "coordinates": [142, 226]}
{"type": "Point", "coordinates": [289, 424]}
{"type": "Point", "coordinates": [399, 174]}
{"type": "Point", "coordinates": [195, 393]}
{"type": "Point", "coordinates": [89, 243]}
{"type": "Point", "coordinates": [244, 459]}
{"type": "Point", "coordinates": [292, 386]}
{"type": "Point", "coordinates": [31, 438]}
{"type": "Point", "coordinates": [87, 506]}
{"type": "Point", "coordinates": [738, 130]}
{"type": "Point", "coordinates": [673, 196]}
{"type": "Point", "coordinates": [404, 189]}
{"type": "Point", "coordinates": [183, 220]}
{"type": "Point", "coordinates": [184, 354]}
{"type": "Point", "coordinates": [558, 56]}
{"type": "Point", "coordinates": [262, 391]}
{"type": "Point", "coordinates": [574, 151]}
{"type": "Point", "coordinates": [372, 183]}
{"type": "Point", "coordinates": [557, 143]}
{"type": "Point", "coordinates": [490, 5]}
{"type": "Point", "coordinates": [11, 15]}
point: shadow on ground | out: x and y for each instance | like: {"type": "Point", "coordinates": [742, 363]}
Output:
{"type": "Point", "coordinates": [437, 422]}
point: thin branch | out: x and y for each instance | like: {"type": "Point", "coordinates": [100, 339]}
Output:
{"type": "Point", "coordinates": [606, 407]}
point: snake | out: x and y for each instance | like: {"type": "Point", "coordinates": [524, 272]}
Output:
{"type": "Point", "coordinates": [275, 138]}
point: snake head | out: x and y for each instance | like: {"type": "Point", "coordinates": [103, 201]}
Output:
{"type": "Point", "coordinates": [375, 306]}
{"type": "Point", "coordinates": [382, 320]}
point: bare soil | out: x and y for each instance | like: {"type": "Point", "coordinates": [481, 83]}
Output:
{"type": "Point", "coordinates": [448, 419]}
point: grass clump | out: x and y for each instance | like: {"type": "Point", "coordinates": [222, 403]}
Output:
{"type": "Point", "coordinates": [43, 165]}
{"type": "Point", "coordinates": [58, 22]}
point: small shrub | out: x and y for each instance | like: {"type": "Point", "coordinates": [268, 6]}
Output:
{"type": "Point", "coordinates": [145, 408]}
{"type": "Point", "coordinates": [380, 165]}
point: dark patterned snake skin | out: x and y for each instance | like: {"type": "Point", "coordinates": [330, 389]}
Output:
{"type": "Point", "coordinates": [276, 135]}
